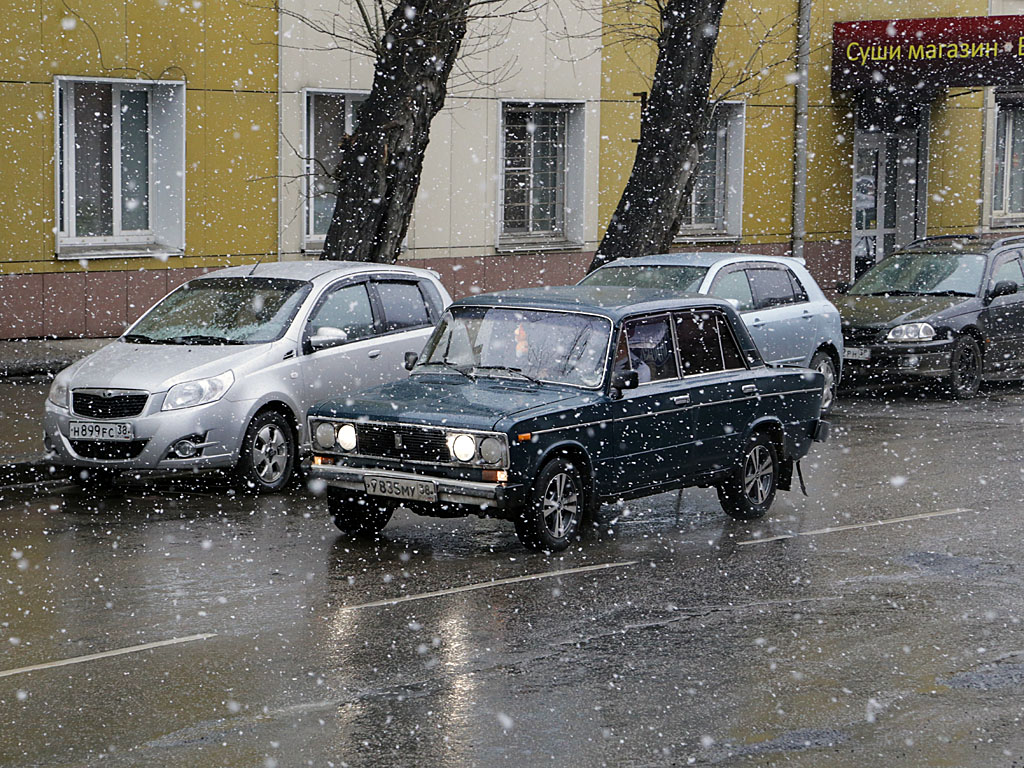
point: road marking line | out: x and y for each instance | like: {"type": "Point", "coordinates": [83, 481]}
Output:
{"type": "Point", "coordinates": [104, 654]}
{"type": "Point", "coordinates": [856, 526]}
{"type": "Point", "coordinates": [486, 585]}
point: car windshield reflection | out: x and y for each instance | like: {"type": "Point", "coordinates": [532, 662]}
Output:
{"type": "Point", "coordinates": [222, 310]}
{"type": "Point", "coordinates": [532, 345]}
{"type": "Point", "coordinates": [923, 274]}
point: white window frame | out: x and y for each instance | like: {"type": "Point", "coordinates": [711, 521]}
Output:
{"type": "Point", "coordinates": [572, 179]}
{"type": "Point", "coordinates": [165, 239]}
{"type": "Point", "coordinates": [728, 226]}
{"type": "Point", "coordinates": [311, 240]}
{"type": "Point", "coordinates": [1003, 217]}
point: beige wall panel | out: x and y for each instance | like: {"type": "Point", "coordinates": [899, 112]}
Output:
{"type": "Point", "coordinates": [292, 184]}
{"type": "Point", "coordinates": [88, 41]}
{"type": "Point", "coordinates": [829, 173]}
{"type": "Point", "coordinates": [240, 170]}
{"type": "Point", "coordinates": [21, 40]}
{"type": "Point", "coordinates": [166, 41]}
{"type": "Point", "coordinates": [241, 45]}
{"type": "Point", "coordinates": [592, 173]}
{"type": "Point", "coordinates": [473, 182]}
{"type": "Point", "coordinates": [433, 210]}
{"type": "Point", "coordinates": [26, 172]}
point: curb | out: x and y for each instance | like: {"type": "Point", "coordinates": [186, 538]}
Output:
{"type": "Point", "coordinates": [31, 472]}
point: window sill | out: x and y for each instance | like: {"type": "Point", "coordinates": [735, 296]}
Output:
{"type": "Point", "coordinates": [527, 245]}
{"type": "Point", "coordinates": [1003, 222]}
{"type": "Point", "coordinates": [119, 251]}
{"type": "Point", "coordinates": [705, 236]}
{"type": "Point", "coordinates": [314, 245]}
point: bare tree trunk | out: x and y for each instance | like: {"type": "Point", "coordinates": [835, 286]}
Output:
{"type": "Point", "coordinates": [379, 170]}
{"type": "Point", "coordinates": [672, 128]}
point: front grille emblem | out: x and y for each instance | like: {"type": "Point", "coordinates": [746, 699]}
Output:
{"type": "Point", "coordinates": [398, 441]}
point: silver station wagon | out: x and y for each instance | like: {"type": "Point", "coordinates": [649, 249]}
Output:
{"type": "Point", "coordinates": [221, 371]}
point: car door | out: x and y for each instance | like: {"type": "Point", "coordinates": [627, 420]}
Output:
{"type": "Point", "coordinates": [408, 308]}
{"type": "Point", "coordinates": [721, 398]}
{"type": "Point", "coordinates": [354, 362]}
{"type": "Point", "coordinates": [778, 321]}
{"type": "Point", "coordinates": [1004, 317]}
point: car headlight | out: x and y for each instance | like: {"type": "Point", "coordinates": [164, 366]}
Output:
{"type": "Point", "coordinates": [491, 450]}
{"type": "Point", "coordinates": [59, 392]}
{"type": "Point", "coordinates": [347, 437]}
{"type": "Point", "coordinates": [199, 392]}
{"type": "Point", "coordinates": [912, 332]}
{"type": "Point", "coordinates": [323, 435]}
{"type": "Point", "coordinates": [462, 447]}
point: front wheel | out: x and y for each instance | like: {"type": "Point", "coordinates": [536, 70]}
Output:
{"type": "Point", "coordinates": [749, 491]}
{"type": "Point", "coordinates": [552, 520]}
{"type": "Point", "coordinates": [823, 363]}
{"type": "Point", "coordinates": [267, 459]}
{"type": "Point", "coordinates": [965, 368]}
{"type": "Point", "coordinates": [359, 514]}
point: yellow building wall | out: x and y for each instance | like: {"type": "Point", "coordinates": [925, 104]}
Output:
{"type": "Point", "coordinates": [226, 53]}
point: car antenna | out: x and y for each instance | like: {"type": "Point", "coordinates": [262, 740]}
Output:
{"type": "Point", "coordinates": [254, 267]}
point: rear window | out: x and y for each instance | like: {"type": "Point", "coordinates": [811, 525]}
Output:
{"type": "Point", "coordinates": [681, 278]}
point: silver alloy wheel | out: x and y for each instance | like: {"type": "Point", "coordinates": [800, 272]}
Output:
{"type": "Point", "coordinates": [270, 453]}
{"type": "Point", "coordinates": [758, 474]}
{"type": "Point", "coordinates": [828, 370]}
{"type": "Point", "coordinates": [560, 505]}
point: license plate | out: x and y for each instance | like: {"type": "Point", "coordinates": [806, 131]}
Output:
{"type": "Point", "coordinates": [400, 488]}
{"type": "Point", "coordinates": [94, 430]}
{"type": "Point", "coordinates": [857, 353]}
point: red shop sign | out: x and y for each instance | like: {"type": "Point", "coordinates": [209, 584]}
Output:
{"type": "Point", "coordinates": [928, 53]}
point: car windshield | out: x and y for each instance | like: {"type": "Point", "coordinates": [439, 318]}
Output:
{"type": "Point", "coordinates": [222, 310]}
{"type": "Point", "coordinates": [538, 345]}
{"type": "Point", "coordinates": [912, 274]}
{"type": "Point", "coordinates": [684, 277]}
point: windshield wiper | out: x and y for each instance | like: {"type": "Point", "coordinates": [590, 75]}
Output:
{"type": "Point", "coordinates": [450, 366]}
{"type": "Point", "coordinates": [138, 338]}
{"type": "Point", "coordinates": [518, 371]}
{"type": "Point", "coordinates": [198, 338]}
{"type": "Point", "coordinates": [949, 292]}
{"type": "Point", "coordinates": [891, 292]}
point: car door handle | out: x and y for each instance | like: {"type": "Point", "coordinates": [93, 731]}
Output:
{"type": "Point", "coordinates": [749, 388]}
{"type": "Point", "coordinates": [807, 315]}
{"type": "Point", "coordinates": [680, 399]}
{"type": "Point", "coordinates": [759, 323]}
{"type": "Point", "coordinates": [373, 353]}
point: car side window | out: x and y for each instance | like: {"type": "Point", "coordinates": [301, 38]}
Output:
{"type": "Point", "coordinates": [347, 309]}
{"type": "Point", "coordinates": [1009, 269]}
{"type": "Point", "coordinates": [771, 287]}
{"type": "Point", "coordinates": [706, 343]}
{"type": "Point", "coordinates": [403, 305]}
{"type": "Point", "coordinates": [649, 349]}
{"type": "Point", "coordinates": [734, 285]}
{"type": "Point", "coordinates": [799, 292]}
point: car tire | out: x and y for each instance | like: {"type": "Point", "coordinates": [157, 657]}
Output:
{"type": "Point", "coordinates": [965, 368]}
{"type": "Point", "coordinates": [551, 521]}
{"type": "Point", "coordinates": [823, 363]}
{"type": "Point", "coordinates": [266, 461]}
{"type": "Point", "coordinates": [359, 514]}
{"type": "Point", "coordinates": [748, 493]}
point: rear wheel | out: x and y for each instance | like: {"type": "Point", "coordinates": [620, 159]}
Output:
{"type": "Point", "coordinates": [965, 368]}
{"type": "Point", "coordinates": [552, 520]}
{"type": "Point", "coordinates": [267, 459]}
{"type": "Point", "coordinates": [823, 363]}
{"type": "Point", "coordinates": [359, 514]}
{"type": "Point", "coordinates": [748, 493]}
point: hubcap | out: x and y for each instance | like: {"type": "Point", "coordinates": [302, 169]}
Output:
{"type": "Point", "coordinates": [560, 505]}
{"type": "Point", "coordinates": [825, 369]}
{"type": "Point", "coordinates": [757, 474]}
{"type": "Point", "coordinates": [270, 453]}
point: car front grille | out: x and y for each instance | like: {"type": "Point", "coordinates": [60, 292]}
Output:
{"type": "Point", "coordinates": [108, 449]}
{"type": "Point", "coordinates": [856, 337]}
{"type": "Point", "coordinates": [97, 405]}
{"type": "Point", "coordinates": [394, 441]}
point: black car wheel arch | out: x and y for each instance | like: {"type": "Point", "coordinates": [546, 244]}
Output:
{"type": "Point", "coordinates": [966, 367]}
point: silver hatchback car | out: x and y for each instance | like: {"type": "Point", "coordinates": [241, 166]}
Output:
{"type": "Point", "coordinates": [221, 371]}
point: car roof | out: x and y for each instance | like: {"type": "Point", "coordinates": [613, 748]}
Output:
{"type": "Point", "coordinates": [980, 243]}
{"type": "Point", "coordinates": [697, 259]}
{"type": "Point", "coordinates": [611, 301]}
{"type": "Point", "coordinates": [310, 270]}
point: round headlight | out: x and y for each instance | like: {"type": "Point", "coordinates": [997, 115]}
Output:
{"type": "Point", "coordinates": [347, 437]}
{"type": "Point", "coordinates": [491, 450]}
{"type": "Point", "coordinates": [324, 435]}
{"type": "Point", "coordinates": [463, 447]}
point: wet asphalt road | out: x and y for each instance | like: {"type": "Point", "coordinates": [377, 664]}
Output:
{"type": "Point", "coordinates": [699, 640]}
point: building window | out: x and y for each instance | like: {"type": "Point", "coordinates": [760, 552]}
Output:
{"type": "Point", "coordinates": [330, 116]}
{"type": "Point", "coordinates": [541, 173]}
{"type": "Point", "coordinates": [120, 167]}
{"type": "Point", "coordinates": [1008, 189]}
{"type": "Point", "coordinates": [714, 206]}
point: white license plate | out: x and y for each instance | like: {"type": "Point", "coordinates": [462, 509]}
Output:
{"type": "Point", "coordinates": [96, 430]}
{"type": "Point", "coordinates": [399, 488]}
{"type": "Point", "coordinates": [857, 353]}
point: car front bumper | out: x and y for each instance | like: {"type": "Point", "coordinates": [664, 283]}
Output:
{"type": "Point", "coordinates": [930, 359]}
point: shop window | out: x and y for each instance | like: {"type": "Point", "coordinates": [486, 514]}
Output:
{"type": "Point", "coordinates": [330, 117]}
{"type": "Point", "coordinates": [1008, 166]}
{"type": "Point", "coordinates": [542, 175]}
{"type": "Point", "coordinates": [714, 206]}
{"type": "Point", "coordinates": [120, 168]}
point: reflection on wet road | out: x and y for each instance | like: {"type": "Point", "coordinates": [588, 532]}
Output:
{"type": "Point", "coordinates": [874, 621]}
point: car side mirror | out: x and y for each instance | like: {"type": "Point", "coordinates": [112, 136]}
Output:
{"type": "Point", "coordinates": [625, 380]}
{"type": "Point", "coordinates": [842, 287]}
{"type": "Point", "coordinates": [1002, 288]}
{"type": "Point", "coordinates": [410, 360]}
{"type": "Point", "coordinates": [326, 337]}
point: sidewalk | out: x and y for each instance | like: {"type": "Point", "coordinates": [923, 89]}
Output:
{"type": "Point", "coordinates": [26, 370]}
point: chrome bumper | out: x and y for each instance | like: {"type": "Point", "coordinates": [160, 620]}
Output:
{"type": "Point", "coordinates": [448, 490]}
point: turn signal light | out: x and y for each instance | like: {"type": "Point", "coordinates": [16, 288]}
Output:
{"type": "Point", "coordinates": [321, 460]}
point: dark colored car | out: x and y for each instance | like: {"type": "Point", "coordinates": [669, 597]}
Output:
{"type": "Point", "coordinates": [945, 308]}
{"type": "Point", "coordinates": [537, 405]}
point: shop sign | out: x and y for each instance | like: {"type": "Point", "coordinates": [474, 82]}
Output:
{"type": "Point", "coordinates": [926, 54]}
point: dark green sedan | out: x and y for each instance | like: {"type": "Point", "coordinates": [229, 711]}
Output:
{"type": "Point", "coordinates": [537, 405]}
